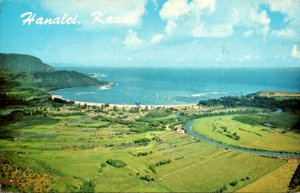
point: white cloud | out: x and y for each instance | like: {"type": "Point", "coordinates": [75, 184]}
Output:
{"type": "Point", "coordinates": [262, 21]}
{"type": "Point", "coordinates": [290, 9]}
{"type": "Point", "coordinates": [260, 17]}
{"type": "Point", "coordinates": [186, 14]}
{"type": "Point", "coordinates": [223, 17]}
{"type": "Point", "coordinates": [281, 6]}
{"type": "Point", "coordinates": [295, 53]}
{"type": "Point", "coordinates": [204, 4]}
{"type": "Point", "coordinates": [156, 39]}
{"type": "Point", "coordinates": [131, 10]}
{"type": "Point", "coordinates": [173, 9]}
{"type": "Point", "coordinates": [248, 15]}
{"type": "Point", "coordinates": [218, 19]}
{"type": "Point", "coordinates": [132, 41]}
{"type": "Point", "coordinates": [171, 25]}
{"type": "Point", "coordinates": [285, 33]}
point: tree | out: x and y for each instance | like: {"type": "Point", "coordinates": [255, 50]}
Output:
{"type": "Point", "coordinates": [87, 186]}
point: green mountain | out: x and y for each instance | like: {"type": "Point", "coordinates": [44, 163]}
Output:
{"type": "Point", "coordinates": [32, 72]}
{"type": "Point", "coordinates": [19, 63]}
{"type": "Point", "coordinates": [64, 79]}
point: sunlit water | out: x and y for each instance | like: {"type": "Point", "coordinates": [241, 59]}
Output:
{"type": "Point", "coordinates": [170, 86]}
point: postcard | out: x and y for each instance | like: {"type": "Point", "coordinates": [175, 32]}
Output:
{"type": "Point", "coordinates": [149, 96]}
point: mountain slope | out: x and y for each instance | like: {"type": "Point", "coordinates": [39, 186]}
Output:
{"type": "Point", "coordinates": [32, 72]}
{"type": "Point", "coordinates": [64, 79]}
{"type": "Point", "coordinates": [19, 63]}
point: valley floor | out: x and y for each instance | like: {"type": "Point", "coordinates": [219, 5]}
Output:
{"type": "Point", "coordinates": [69, 148]}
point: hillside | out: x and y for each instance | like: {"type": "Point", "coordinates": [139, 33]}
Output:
{"type": "Point", "coordinates": [64, 79]}
{"type": "Point", "coordinates": [32, 72]}
{"type": "Point", "coordinates": [19, 63]}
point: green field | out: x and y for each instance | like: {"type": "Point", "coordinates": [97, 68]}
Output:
{"type": "Point", "coordinates": [66, 149]}
{"type": "Point", "coordinates": [268, 131]}
{"type": "Point", "coordinates": [282, 177]}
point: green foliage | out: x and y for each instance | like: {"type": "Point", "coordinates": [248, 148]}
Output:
{"type": "Point", "coordinates": [160, 163]}
{"type": "Point", "coordinates": [158, 114]}
{"type": "Point", "coordinates": [152, 168]}
{"type": "Point", "coordinates": [233, 183]}
{"type": "Point", "coordinates": [70, 188]}
{"type": "Point", "coordinates": [221, 189]}
{"type": "Point", "coordinates": [87, 187]}
{"type": "Point", "coordinates": [147, 178]}
{"type": "Point", "coordinates": [58, 100]}
{"type": "Point", "coordinates": [227, 133]}
{"type": "Point", "coordinates": [179, 158]}
{"type": "Point", "coordinates": [154, 123]}
{"type": "Point", "coordinates": [142, 141]}
{"type": "Point", "coordinates": [258, 134]}
{"type": "Point", "coordinates": [139, 154]}
{"type": "Point", "coordinates": [12, 188]}
{"type": "Point", "coordinates": [116, 163]}
{"type": "Point", "coordinates": [253, 100]}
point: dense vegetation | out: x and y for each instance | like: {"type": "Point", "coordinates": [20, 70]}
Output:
{"type": "Point", "coordinates": [18, 63]}
{"type": "Point", "coordinates": [116, 163]}
{"type": "Point", "coordinates": [253, 100]}
{"type": "Point", "coordinates": [88, 187]}
{"type": "Point", "coordinates": [64, 79]}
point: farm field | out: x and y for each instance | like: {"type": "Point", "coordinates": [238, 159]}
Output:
{"type": "Point", "coordinates": [267, 131]}
{"type": "Point", "coordinates": [282, 176]}
{"type": "Point", "coordinates": [68, 150]}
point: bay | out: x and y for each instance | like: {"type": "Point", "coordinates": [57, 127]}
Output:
{"type": "Point", "coordinates": [174, 86]}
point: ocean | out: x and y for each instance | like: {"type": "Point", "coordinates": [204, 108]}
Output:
{"type": "Point", "coordinates": [174, 86]}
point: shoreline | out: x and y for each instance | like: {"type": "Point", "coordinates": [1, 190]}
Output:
{"type": "Point", "coordinates": [127, 106]}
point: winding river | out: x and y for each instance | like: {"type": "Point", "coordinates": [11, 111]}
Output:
{"type": "Point", "coordinates": [187, 129]}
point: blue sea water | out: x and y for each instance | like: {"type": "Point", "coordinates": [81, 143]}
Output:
{"type": "Point", "coordinates": [170, 86]}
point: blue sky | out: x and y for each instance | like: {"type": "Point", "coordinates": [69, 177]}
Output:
{"type": "Point", "coordinates": [194, 33]}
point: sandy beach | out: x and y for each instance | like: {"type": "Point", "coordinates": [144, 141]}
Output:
{"type": "Point", "coordinates": [127, 106]}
